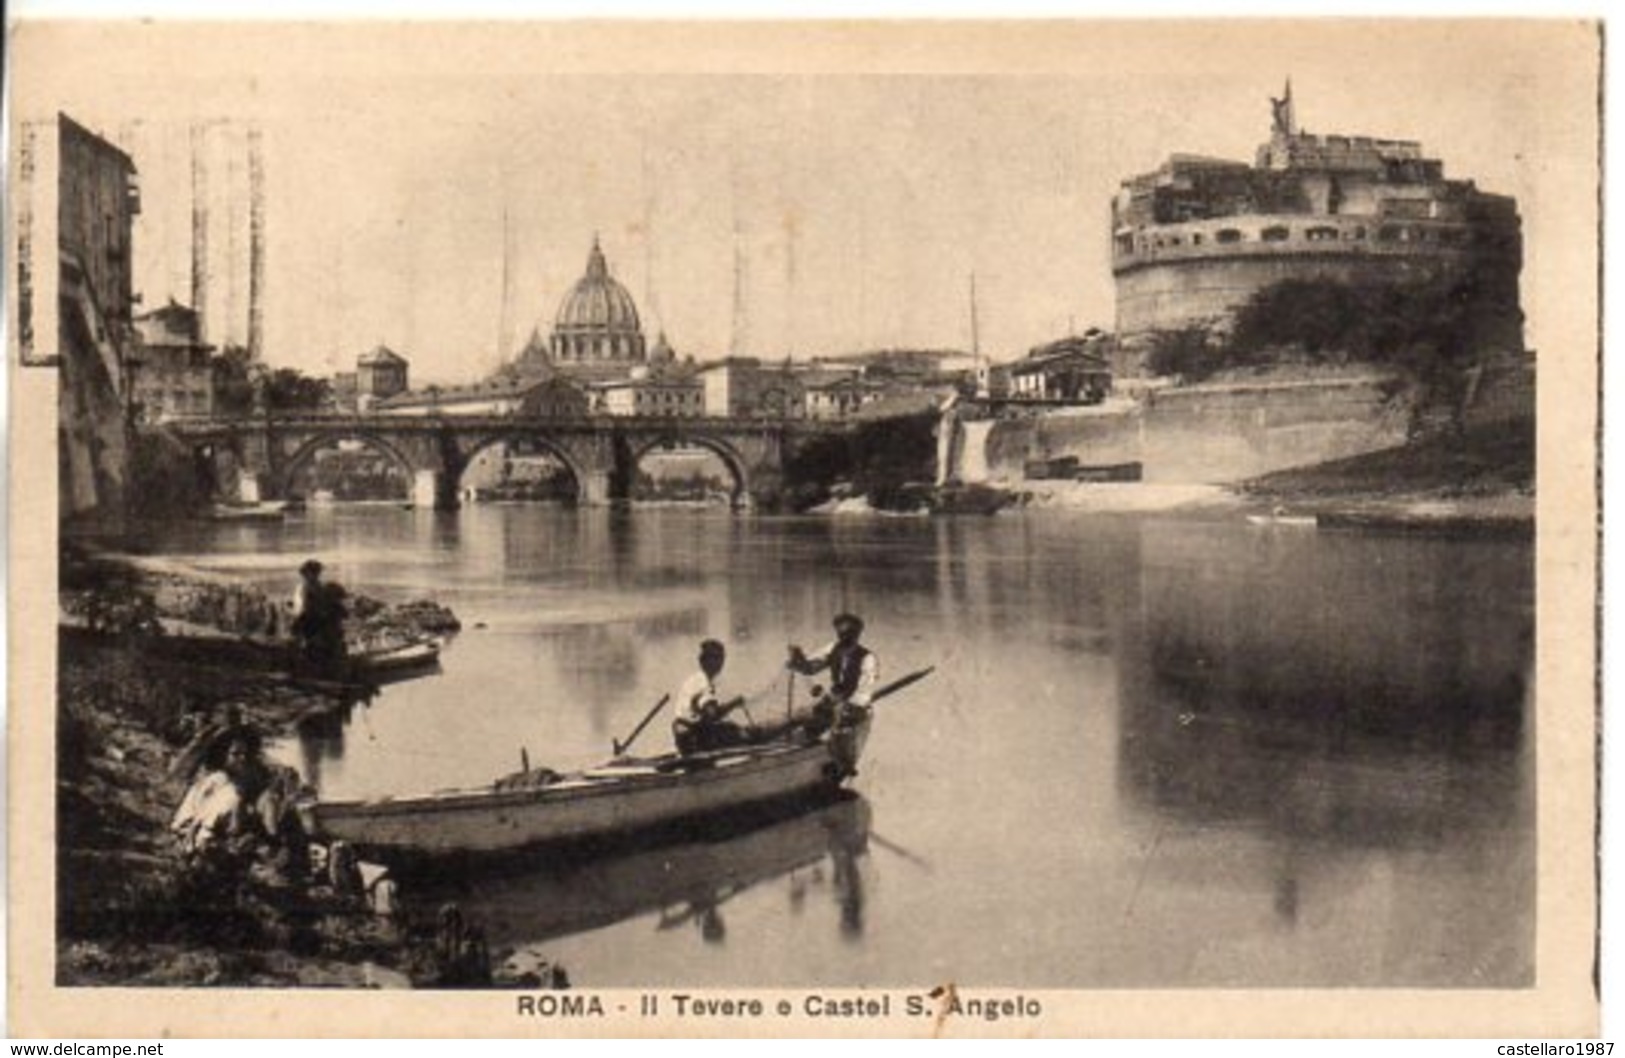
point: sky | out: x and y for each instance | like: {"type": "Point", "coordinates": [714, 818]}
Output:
{"type": "Point", "coordinates": [789, 193]}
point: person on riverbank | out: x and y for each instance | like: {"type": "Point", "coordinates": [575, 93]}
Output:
{"type": "Point", "coordinates": [239, 804]}
{"type": "Point", "coordinates": [854, 671]}
{"type": "Point", "coordinates": [318, 617]}
{"type": "Point", "coordinates": [702, 717]}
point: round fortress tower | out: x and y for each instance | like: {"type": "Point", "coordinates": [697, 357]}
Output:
{"type": "Point", "coordinates": [1194, 240]}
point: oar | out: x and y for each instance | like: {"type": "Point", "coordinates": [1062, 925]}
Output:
{"type": "Point", "coordinates": [897, 850]}
{"type": "Point", "coordinates": [622, 747]}
{"type": "Point", "coordinates": [898, 684]}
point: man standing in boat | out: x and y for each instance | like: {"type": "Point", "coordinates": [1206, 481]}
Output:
{"type": "Point", "coordinates": [318, 617]}
{"type": "Point", "coordinates": [702, 718]}
{"type": "Point", "coordinates": [854, 670]}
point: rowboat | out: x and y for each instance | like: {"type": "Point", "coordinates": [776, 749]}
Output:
{"type": "Point", "coordinates": [393, 661]}
{"type": "Point", "coordinates": [620, 798]}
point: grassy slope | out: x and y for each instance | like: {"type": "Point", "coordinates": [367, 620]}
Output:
{"type": "Point", "coordinates": [1488, 461]}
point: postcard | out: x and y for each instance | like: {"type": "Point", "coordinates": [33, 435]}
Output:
{"type": "Point", "coordinates": [1064, 528]}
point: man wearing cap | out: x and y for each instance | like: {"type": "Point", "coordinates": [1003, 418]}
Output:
{"type": "Point", "coordinates": [318, 616]}
{"type": "Point", "coordinates": [702, 722]}
{"type": "Point", "coordinates": [854, 670]}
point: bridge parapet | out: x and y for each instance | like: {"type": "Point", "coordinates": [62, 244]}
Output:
{"type": "Point", "coordinates": [434, 451]}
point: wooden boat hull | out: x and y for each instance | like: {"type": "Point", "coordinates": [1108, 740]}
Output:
{"type": "Point", "coordinates": [560, 898]}
{"type": "Point", "coordinates": [601, 803]}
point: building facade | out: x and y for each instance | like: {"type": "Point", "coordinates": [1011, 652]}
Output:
{"type": "Point", "coordinates": [76, 291]}
{"type": "Point", "coordinates": [645, 394]}
{"type": "Point", "coordinates": [1069, 371]}
{"type": "Point", "coordinates": [173, 370]}
{"type": "Point", "coordinates": [1194, 240]}
{"type": "Point", "coordinates": [380, 374]}
{"type": "Point", "coordinates": [745, 388]}
{"type": "Point", "coordinates": [843, 397]}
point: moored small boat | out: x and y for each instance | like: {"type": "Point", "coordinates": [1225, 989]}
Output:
{"type": "Point", "coordinates": [249, 512]}
{"type": "Point", "coordinates": [1280, 518]}
{"type": "Point", "coordinates": [622, 797]}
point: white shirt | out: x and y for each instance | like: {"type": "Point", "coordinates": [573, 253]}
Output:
{"type": "Point", "coordinates": [698, 690]}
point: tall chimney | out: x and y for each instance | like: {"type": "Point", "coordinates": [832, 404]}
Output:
{"type": "Point", "coordinates": [256, 246]}
{"type": "Point", "coordinates": [200, 229]}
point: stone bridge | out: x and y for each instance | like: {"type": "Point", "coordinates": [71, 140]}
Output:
{"type": "Point", "coordinates": [601, 453]}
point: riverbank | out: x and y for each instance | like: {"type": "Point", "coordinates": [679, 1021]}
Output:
{"type": "Point", "coordinates": [133, 909]}
{"type": "Point", "coordinates": [1474, 482]}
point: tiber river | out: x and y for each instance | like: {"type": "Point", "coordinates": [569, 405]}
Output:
{"type": "Point", "coordinates": [1157, 750]}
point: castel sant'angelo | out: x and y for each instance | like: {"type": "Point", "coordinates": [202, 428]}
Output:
{"type": "Point", "coordinates": [1192, 241]}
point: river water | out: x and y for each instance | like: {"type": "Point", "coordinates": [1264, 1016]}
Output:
{"type": "Point", "coordinates": [1156, 751]}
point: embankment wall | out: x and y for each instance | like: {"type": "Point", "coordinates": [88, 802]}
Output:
{"type": "Point", "coordinates": [1214, 433]}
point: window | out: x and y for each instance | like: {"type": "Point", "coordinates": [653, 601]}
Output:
{"type": "Point", "coordinates": [1321, 234]}
{"type": "Point", "coordinates": [1228, 235]}
{"type": "Point", "coordinates": [1277, 233]}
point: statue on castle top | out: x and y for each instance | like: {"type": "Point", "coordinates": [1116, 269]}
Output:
{"type": "Point", "coordinates": [1282, 123]}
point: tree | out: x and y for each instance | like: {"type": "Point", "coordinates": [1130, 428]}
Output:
{"type": "Point", "coordinates": [287, 389]}
{"type": "Point", "coordinates": [1189, 352]}
{"type": "Point", "coordinates": [233, 388]}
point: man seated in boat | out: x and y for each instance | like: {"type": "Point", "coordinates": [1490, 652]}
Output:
{"type": "Point", "coordinates": [702, 717]}
{"type": "Point", "coordinates": [854, 671]}
{"type": "Point", "coordinates": [318, 617]}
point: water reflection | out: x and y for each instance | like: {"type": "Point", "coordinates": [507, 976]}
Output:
{"type": "Point", "coordinates": [686, 888]}
{"type": "Point", "coordinates": [1155, 752]}
{"type": "Point", "coordinates": [1358, 710]}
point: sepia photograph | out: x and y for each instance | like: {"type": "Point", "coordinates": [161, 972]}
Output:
{"type": "Point", "coordinates": [810, 528]}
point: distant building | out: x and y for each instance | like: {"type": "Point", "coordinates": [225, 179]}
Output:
{"type": "Point", "coordinates": [744, 388]}
{"type": "Point", "coordinates": [843, 397]}
{"type": "Point", "coordinates": [1194, 240]}
{"type": "Point", "coordinates": [992, 380]}
{"type": "Point", "coordinates": [510, 396]}
{"type": "Point", "coordinates": [173, 370]}
{"type": "Point", "coordinates": [662, 395]}
{"type": "Point", "coordinates": [1072, 370]}
{"type": "Point", "coordinates": [379, 374]}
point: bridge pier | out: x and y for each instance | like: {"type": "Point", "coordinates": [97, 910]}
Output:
{"type": "Point", "coordinates": [432, 489]}
{"type": "Point", "coordinates": [248, 487]}
{"type": "Point", "coordinates": [595, 487]}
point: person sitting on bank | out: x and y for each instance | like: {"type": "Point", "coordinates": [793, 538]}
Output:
{"type": "Point", "coordinates": [318, 617]}
{"type": "Point", "coordinates": [854, 670]}
{"type": "Point", "coordinates": [239, 804]}
{"type": "Point", "coordinates": [702, 718]}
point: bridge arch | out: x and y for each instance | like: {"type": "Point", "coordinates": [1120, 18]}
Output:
{"type": "Point", "coordinates": [466, 457]}
{"type": "Point", "coordinates": [727, 453]}
{"type": "Point", "coordinates": [293, 464]}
